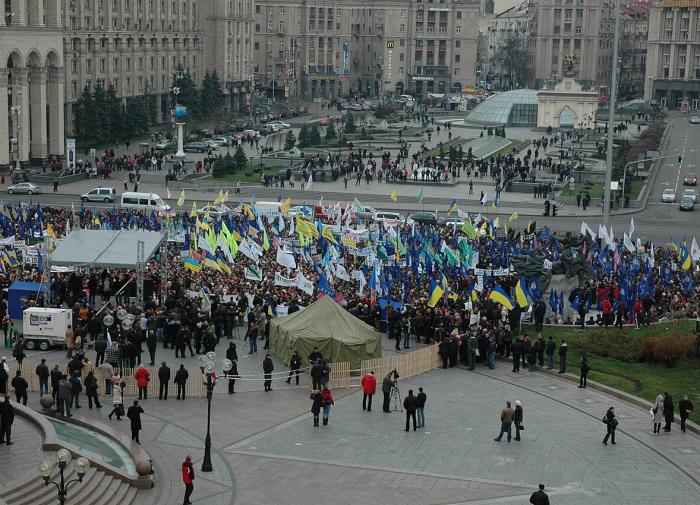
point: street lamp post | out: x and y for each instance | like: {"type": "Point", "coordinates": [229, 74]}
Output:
{"type": "Point", "coordinates": [624, 170]}
{"type": "Point", "coordinates": [206, 365]}
{"type": "Point", "coordinates": [16, 111]}
{"type": "Point", "coordinates": [63, 458]}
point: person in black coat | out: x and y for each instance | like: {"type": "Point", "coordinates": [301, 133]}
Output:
{"type": "Point", "coordinates": [539, 497]}
{"type": "Point", "coordinates": [151, 345]}
{"type": "Point", "coordinates": [410, 404]}
{"type": "Point", "coordinates": [669, 410]}
{"type": "Point", "coordinates": [163, 379]}
{"type": "Point", "coordinates": [611, 422]}
{"type": "Point", "coordinates": [56, 375]}
{"type": "Point", "coordinates": [268, 367]}
{"type": "Point", "coordinates": [517, 349]}
{"type": "Point", "coordinates": [518, 419]}
{"type": "Point", "coordinates": [181, 380]}
{"type": "Point", "coordinates": [316, 405]}
{"type": "Point", "coordinates": [585, 368]}
{"type": "Point", "coordinates": [134, 414]}
{"type": "Point", "coordinates": [91, 385]}
{"type": "Point", "coordinates": [7, 417]}
{"type": "Point", "coordinates": [444, 350]}
{"type": "Point", "coordinates": [232, 375]}
{"type": "Point", "coordinates": [563, 348]}
{"type": "Point", "coordinates": [685, 407]}
{"type": "Point", "coordinates": [100, 348]}
{"type": "Point", "coordinates": [20, 385]}
{"type": "Point", "coordinates": [294, 366]}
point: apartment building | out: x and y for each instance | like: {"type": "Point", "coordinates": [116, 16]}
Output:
{"type": "Point", "coordinates": [673, 54]}
{"type": "Point", "coordinates": [634, 27]}
{"type": "Point", "coordinates": [329, 48]}
{"type": "Point", "coordinates": [581, 27]}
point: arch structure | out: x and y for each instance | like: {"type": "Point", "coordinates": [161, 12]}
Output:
{"type": "Point", "coordinates": [31, 84]}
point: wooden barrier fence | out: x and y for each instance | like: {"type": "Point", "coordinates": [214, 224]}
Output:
{"type": "Point", "coordinates": [343, 376]}
{"type": "Point", "coordinates": [193, 388]}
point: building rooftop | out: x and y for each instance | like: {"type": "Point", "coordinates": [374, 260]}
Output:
{"type": "Point", "coordinates": [507, 108]}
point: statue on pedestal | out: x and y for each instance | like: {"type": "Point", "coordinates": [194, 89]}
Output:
{"type": "Point", "coordinates": [569, 60]}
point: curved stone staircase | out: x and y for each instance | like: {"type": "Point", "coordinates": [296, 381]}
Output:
{"type": "Point", "coordinates": [97, 488]}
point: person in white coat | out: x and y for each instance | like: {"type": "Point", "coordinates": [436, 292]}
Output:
{"type": "Point", "coordinates": [658, 413]}
{"type": "Point", "coordinates": [118, 398]}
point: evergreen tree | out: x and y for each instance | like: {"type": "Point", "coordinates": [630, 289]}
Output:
{"type": "Point", "coordinates": [304, 136]}
{"type": "Point", "coordinates": [330, 132]}
{"type": "Point", "coordinates": [289, 141]}
{"type": "Point", "coordinates": [86, 117]}
{"type": "Point", "coordinates": [314, 136]}
{"type": "Point", "coordinates": [229, 164]}
{"type": "Point", "coordinates": [239, 158]}
{"type": "Point", "coordinates": [350, 123]}
{"type": "Point", "coordinates": [219, 168]}
{"type": "Point", "coordinates": [114, 111]}
{"type": "Point", "coordinates": [103, 124]}
{"type": "Point", "coordinates": [211, 96]}
{"type": "Point", "coordinates": [189, 95]}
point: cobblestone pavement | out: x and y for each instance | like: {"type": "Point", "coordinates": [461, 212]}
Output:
{"type": "Point", "coordinates": [266, 450]}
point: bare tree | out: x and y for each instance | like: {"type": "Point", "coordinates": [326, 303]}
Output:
{"type": "Point", "coordinates": [510, 59]}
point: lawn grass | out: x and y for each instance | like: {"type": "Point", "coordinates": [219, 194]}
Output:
{"type": "Point", "coordinates": [597, 189]}
{"type": "Point", "coordinates": [241, 176]}
{"type": "Point", "coordinates": [645, 380]}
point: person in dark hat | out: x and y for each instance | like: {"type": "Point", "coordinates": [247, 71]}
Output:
{"type": "Point", "coordinates": [7, 417]}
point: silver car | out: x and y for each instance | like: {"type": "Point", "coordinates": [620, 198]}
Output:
{"type": "Point", "coordinates": [691, 193]}
{"type": "Point", "coordinates": [99, 195]}
{"type": "Point", "coordinates": [668, 196]}
{"type": "Point", "coordinates": [25, 188]}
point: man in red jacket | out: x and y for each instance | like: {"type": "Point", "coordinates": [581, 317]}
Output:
{"type": "Point", "coordinates": [188, 478]}
{"type": "Point", "coordinates": [369, 387]}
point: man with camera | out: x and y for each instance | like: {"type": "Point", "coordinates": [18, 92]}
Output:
{"type": "Point", "coordinates": [387, 385]}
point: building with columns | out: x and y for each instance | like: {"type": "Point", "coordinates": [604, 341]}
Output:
{"type": "Point", "coordinates": [673, 54]}
{"type": "Point", "coordinates": [31, 77]}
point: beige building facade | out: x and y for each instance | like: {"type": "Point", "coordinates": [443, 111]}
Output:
{"type": "Point", "coordinates": [568, 105]}
{"type": "Point", "coordinates": [581, 27]}
{"type": "Point", "coordinates": [136, 45]}
{"type": "Point", "coordinates": [321, 49]}
{"type": "Point", "coordinates": [673, 54]}
{"type": "Point", "coordinates": [31, 79]}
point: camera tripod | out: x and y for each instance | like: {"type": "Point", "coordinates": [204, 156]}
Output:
{"type": "Point", "coordinates": [395, 396]}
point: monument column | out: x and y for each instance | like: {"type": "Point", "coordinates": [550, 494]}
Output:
{"type": "Point", "coordinates": [37, 90]}
{"type": "Point", "coordinates": [4, 121]}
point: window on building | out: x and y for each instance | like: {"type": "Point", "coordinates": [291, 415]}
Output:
{"type": "Point", "coordinates": [457, 58]}
{"type": "Point", "coordinates": [403, 13]}
{"type": "Point", "coordinates": [579, 13]}
{"type": "Point", "coordinates": [458, 43]}
{"type": "Point", "coordinates": [556, 29]}
{"type": "Point", "coordinates": [567, 14]}
{"type": "Point", "coordinates": [459, 14]}
{"type": "Point", "coordinates": [257, 28]}
{"type": "Point", "coordinates": [401, 56]}
{"type": "Point", "coordinates": [402, 28]}
{"type": "Point", "coordinates": [257, 46]}
{"type": "Point", "coordinates": [578, 30]}
{"type": "Point", "coordinates": [458, 29]}
{"type": "Point", "coordinates": [555, 59]}
{"type": "Point", "coordinates": [577, 44]}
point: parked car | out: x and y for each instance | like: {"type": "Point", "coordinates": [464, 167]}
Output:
{"type": "Point", "coordinates": [687, 203]}
{"type": "Point", "coordinates": [195, 147]}
{"type": "Point", "coordinates": [214, 210]}
{"type": "Point", "coordinates": [668, 196]}
{"type": "Point", "coordinates": [251, 134]}
{"type": "Point", "coordinates": [690, 180]}
{"type": "Point", "coordinates": [223, 140]}
{"type": "Point", "coordinates": [24, 188]}
{"type": "Point", "coordinates": [424, 217]}
{"type": "Point", "coordinates": [163, 145]}
{"type": "Point", "coordinates": [694, 120]}
{"type": "Point", "coordinates": [282, 124]}
{"type": "Point", "coordinates": [691, 193]}
{"type": "Point", "coordinates": [99, 195]}
{"type": "Point", "coordinates": [366, 212]}
{"type": "Point", "coordinates": [382, 216]}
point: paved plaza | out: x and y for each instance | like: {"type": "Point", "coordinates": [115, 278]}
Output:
{"type": "Point", "coordinates": [266, 450]}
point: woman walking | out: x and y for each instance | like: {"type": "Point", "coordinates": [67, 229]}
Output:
{"type": "Point", "coordinates": [118, 399]}
{"type": "Point", "coordinates": [518, 419]}
{"type": "Point", "coordinates": [658, 413]}
{"type": "Point", "coordinates": [611, 422]}
{"type": "Point", "coordinates": [316, 405]}
{"type": "Point", "coordinates": [91, 385]}
{"type": "Point", "coordinates": [326, 402]}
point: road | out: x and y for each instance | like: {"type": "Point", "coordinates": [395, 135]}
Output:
{"type": "Point", "coordinates": [656, 222]}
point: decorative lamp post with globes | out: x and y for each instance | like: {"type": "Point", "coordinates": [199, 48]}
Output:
{"type": "Point", "coordinates": [206, 365]}
{"type": "Point", "coordinates": [62, 460]}
{"type": "Point", "coordinates": [14, 92]}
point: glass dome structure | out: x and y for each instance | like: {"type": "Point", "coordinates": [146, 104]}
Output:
{"type": "Point", "coordinates": [510, 108]}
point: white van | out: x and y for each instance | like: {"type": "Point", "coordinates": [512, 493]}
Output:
{"type": "Point", "coordinates": [265, 208]}
{"type": "Point", "coordinates": [143, 201]}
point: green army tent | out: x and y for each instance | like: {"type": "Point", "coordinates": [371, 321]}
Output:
{"type": "Point", "coordinates": [339, 335]}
